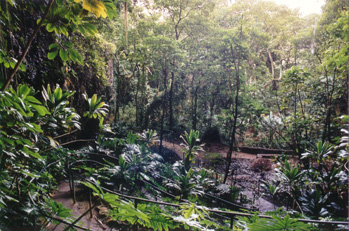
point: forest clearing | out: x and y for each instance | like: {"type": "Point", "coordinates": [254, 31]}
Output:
{"type": "Point", "coordinates": [173, 115]}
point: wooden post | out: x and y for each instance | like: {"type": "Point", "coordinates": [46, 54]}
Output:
{"type": "Point", "coordinates": [73, 187]}
{"type": "Point", "coordinates": [90, 201]}
{"type": "Point", "coordinates": [232, 222]}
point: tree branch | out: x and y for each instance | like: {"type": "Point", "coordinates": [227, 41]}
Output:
{"type": "Point", "coordinates": [27, 47]}
{"type": "Point", "coordinates": [65, 134]}
{"type": "Point", "coordinates": [70, 142]}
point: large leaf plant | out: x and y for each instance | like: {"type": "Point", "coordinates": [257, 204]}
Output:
{"type": "Point", "coordinates": [25, 174]}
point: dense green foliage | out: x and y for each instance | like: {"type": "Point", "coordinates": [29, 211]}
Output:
{"type": "Point", "coordinates": [248, 73]}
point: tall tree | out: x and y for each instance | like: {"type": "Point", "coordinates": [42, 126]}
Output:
{"type": "Point", "coordinates": [234, 52]}
{"type": "Point", "coordinates": [178, 12]}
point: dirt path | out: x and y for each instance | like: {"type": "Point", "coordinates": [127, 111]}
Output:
{"type": "Point", "coordinates": [213, 148]}
{"type": "Point", "coordinates": [63, 195]}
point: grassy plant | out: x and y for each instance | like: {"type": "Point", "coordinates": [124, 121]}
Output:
{"type": "Point", "coordinates": [190, 149]}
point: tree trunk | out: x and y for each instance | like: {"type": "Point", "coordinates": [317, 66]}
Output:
{"type": "Point", "coordinates": [163, 107]}
{"type": "Point", "coordinates": [136, 98]}
{"type": "Point", "coordinates": [236, 112]}
{"type": "Point", "coordinates": [195, 108]}
{"type": "Point", "coordinates": [126, 23]}
{"type": "Point", "coordinates": [303, 113]}
{"type": "Point", "coordinates": [271, 64]}
{"type": "Point", "coordinates": [171, 120]}
{"type": "Point", "coordinates": [329, 95]}
{"type": "Point", "coordinates": [141, 116]}
{"type": "Point", "coordinates": [193, 123]}
{"type": "Point", "coordinates": [118, 92]}
{"type": "Point", "coordinates": [233, 133]}
{"type": "Point", "coordinates": [194, 100]}
{"type": "Point", "coordinates": [272, 70]}
{"type": "Point", "coordinates": [296, 143]}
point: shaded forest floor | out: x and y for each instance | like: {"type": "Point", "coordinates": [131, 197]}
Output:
{"type": "Point", "coordinates": [243, 176]}
{"type": "Point", "coordinates": [64, 196]}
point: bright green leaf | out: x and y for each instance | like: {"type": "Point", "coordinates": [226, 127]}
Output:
{"type": "Point", "coordinates": [52, 55]}
{"type": "Point", "coordinates": [63, 54]}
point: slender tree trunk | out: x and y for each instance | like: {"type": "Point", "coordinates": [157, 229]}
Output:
{"type": "Point", "coordinates": [126, 24]}
{"type": "Point", "coordinates": [324, 134]}
{"type": "Point", "coordinates": [195, 107]}
{"type": "Point", "coordinates": [163, 107]}
{"type": "Point", "coordinates": [138, 74]}
{"type": "Point", "coordinates": [211, 111]}
{"type": "Point", "coordinates": [236, 112]}
{"type": "Point", "coordinates": [295, 121]}
{"type": "Point", "coordinates": [115, 86]}
{"type": "Point", "coordinates": [171, 120]}
{"type": "Point", "coordinates": [118, 92]}
{"type": "Point", "coordinates": [272, 69]}
{"type": "Point", "coordinates": [141, 116]}
{"type": "Point", "coordinates": [329, 94]}
{"type": "Point", "coordinates": [303, 113]}
{"type": "Point", "coordinates": [136, 98]}
{"type": "Point", "coordinates": [233, 133]}
{"type": "Point", "coordinates": [192, 102]}
{"type": "Point", "coordinates": [271, 64]}
{"type": "Point", "coordinates": [176, 32]}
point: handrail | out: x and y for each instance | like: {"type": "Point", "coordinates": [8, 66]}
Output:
{"type": "Point", "coordinates": [225, 201]}
{"type": "Point", "coordinates": [64, 222]}
{"type": "Point", "coordinates": [218, 198]}
{"type": "Point", "coordinates": [230, 213]}
{"type": "Point", "coordinates": [157, 188]}
{"type": "Point", "coordinates": [81, 161]}
{"type": "Point", "coordinates": [100, 154]}
{"type": "Point", "coordinates": [160, 190]}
